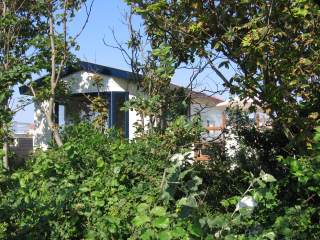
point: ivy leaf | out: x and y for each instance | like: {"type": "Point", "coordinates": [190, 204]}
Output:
{"type": "Point", "coordinates": [178, 232]}
{"type": "Point", "coordinates": [140, 220]}
{"type": "Point", "coordinates": [142, 208]}
{"type": "Point", "coordinates": [195, 229]}
{"type": "Point", "coordinates": [149, 234]}
{"type": "Point", "coordinates": [100, 163]}
{"type": "Point", "coordinates": [165, 235]}
{"type": "Point", "coordinates": [267, 177]}
{"type": "Point", "coordinates": [158, 211]}
{"type": "Point", "coordinates": [161, 222]}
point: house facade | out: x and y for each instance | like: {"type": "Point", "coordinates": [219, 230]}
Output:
{"type": "Point", "coordinates": [115, 86]}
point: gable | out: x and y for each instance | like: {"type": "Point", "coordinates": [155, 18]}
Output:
{"type": "Point", "coordinates": [121, 77]}
{"type": "Point", "coordinates": [87, 67]}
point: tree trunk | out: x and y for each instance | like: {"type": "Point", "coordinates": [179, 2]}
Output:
{"type": "Point", "coordinates": [163, 122]}
{"type": "Point", "coordinates": [57, 138]}
{"type": "Point", "coordinates": [54, 129]}
{"type": "Point", "coordinates": [5, 146]}
{"type": "Point", "coordinates": [5, 159]}
{"type": "Point", "coordinates": [52, 125]}
{"type": "Point", "coordinates": [54, 81]}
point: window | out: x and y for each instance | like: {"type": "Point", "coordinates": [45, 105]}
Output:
{"type": "Point", "coordinates": [119, 118]}
{"type": "Point", "coordinates": [77, 109]}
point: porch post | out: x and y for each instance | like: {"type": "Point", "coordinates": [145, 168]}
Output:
{"type": "Point", "coordinates": [42, 134]}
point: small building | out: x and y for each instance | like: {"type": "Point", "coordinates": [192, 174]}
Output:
{"type": "Point", "coordinates": [115, 86]}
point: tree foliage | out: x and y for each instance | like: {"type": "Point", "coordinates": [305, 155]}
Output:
{"type": "Point", "coordinates": [274, 46]}
{"type": "Point", "coordinates": [54, 53]}
{"type": "Point", "coordinates": [19, 24]}
{"type": "Point", "coordinates": [99, 185]}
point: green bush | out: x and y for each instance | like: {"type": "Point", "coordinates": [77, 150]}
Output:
{"type": "Point", "coordinates": [101, 186]}
{"type": "Point", "coordinates": [93, 187]}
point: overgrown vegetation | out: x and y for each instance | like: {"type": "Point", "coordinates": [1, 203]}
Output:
{"type": "Point", "coordinates": [271, 47]}
{"type": "Point", "coordinates": [98, 185]}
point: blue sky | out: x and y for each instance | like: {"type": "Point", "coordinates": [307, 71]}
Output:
{"type": "Point", "coordinates": [108, 15]}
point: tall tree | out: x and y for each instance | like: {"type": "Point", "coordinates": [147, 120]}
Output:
{"type": "Point", "coordinates": [19, 23]}
{"type": "Point", "coordinates": [54, 53]}
{"type": "Point", "coordinates": [274, 47]}
{"type": "Point", "coordinates": [153, 69]}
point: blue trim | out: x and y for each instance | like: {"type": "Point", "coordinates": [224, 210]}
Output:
{"type": "Point", "coordinates": [89, 67]}
{"type": "Point", "coordinates": [113, 108]}
{"type": "Point", "coordinates": [111, 98]}
{"type": "Point", "coordinates": [56, 113]}
{"type": "Point", "coordinates": [127, 116]}
{"type": "Point", "coordinates": [109, 109]}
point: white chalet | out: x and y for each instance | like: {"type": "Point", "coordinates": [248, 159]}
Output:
{"type": "Point", "coordinates": [117, 86]}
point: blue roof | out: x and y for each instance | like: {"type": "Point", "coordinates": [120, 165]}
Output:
{"type": "Point", "coordinates": [89, 67]}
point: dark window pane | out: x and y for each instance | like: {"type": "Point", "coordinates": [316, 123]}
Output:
{"type": "Point", "coordinates": [119, 117]}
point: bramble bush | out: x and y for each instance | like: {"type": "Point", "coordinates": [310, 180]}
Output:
{"type": "Point", "coordinates": [101, 186]}
{"type": "Point", "coordinates": [94, 187]}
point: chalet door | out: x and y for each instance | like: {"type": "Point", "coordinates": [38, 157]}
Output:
{"type": "Point", "coordinates": [118, 118]}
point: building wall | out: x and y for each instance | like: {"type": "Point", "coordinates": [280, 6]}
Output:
{"type": "Point", "coordinates": [109, 84]}
{"type": "Point", "coordinates": [82, 82]}
{"type": "Point", "coordinates": [22, 147]}
{"type": "Point", "coordinates": [211, 116]}
{"type": "Point", "coordinates": [41, 133]}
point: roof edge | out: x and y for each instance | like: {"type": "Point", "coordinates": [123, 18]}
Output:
{"type": "Point", "coordinates": [109, 71]}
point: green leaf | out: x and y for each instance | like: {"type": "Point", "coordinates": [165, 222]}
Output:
{"type": "Point", "coordinates": [100, 163]}
{"type": "Point", "coordinates": [267, 177]}
{"type": "Point", "coordinates": [158, 211]}
{"type": "Point", "coordinates": [165, 235]}
{"type": "Point", "coordinates": [140, 220]}
{"type": "Point", "coordinates": [269, 235]}
{"type": "Point", "coordinates": [84, 189]}
{"type": "Point", "coordinates": [178, 232]}
{"type": "Point", "coordinates": [100, 203]}
{"type": "Point", "coordinates": [142, 208]}
{"type": "Point", "coordinates": [22, 183]}
{"type": "Point", "coordinates": [217, 221]}
{"type": "Point", "coordinates": [299, 12]}
{"type": "Point", "coordinates": [195, 229]}
{"type": "Point", "coordinates": [149, 234]}
{"type": "Point", "coordinates": [161, 222]}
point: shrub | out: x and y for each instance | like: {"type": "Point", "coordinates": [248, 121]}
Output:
{"type": "Point", "coordinates": [93, 187]}
{"type": "Point", "coordinates": [101, 186]}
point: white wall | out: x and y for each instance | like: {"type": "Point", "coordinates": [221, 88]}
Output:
{"type": "Point", "coordinates": [86, 84]}
{"type": "Point", "coordinates": [210, 114]}
{"type": "Point", "coordinates": [41, 132]}
{"type": "Point", "coordinates": [81, 82]}
{"type": "Point", "coordinates": [109, 84]}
